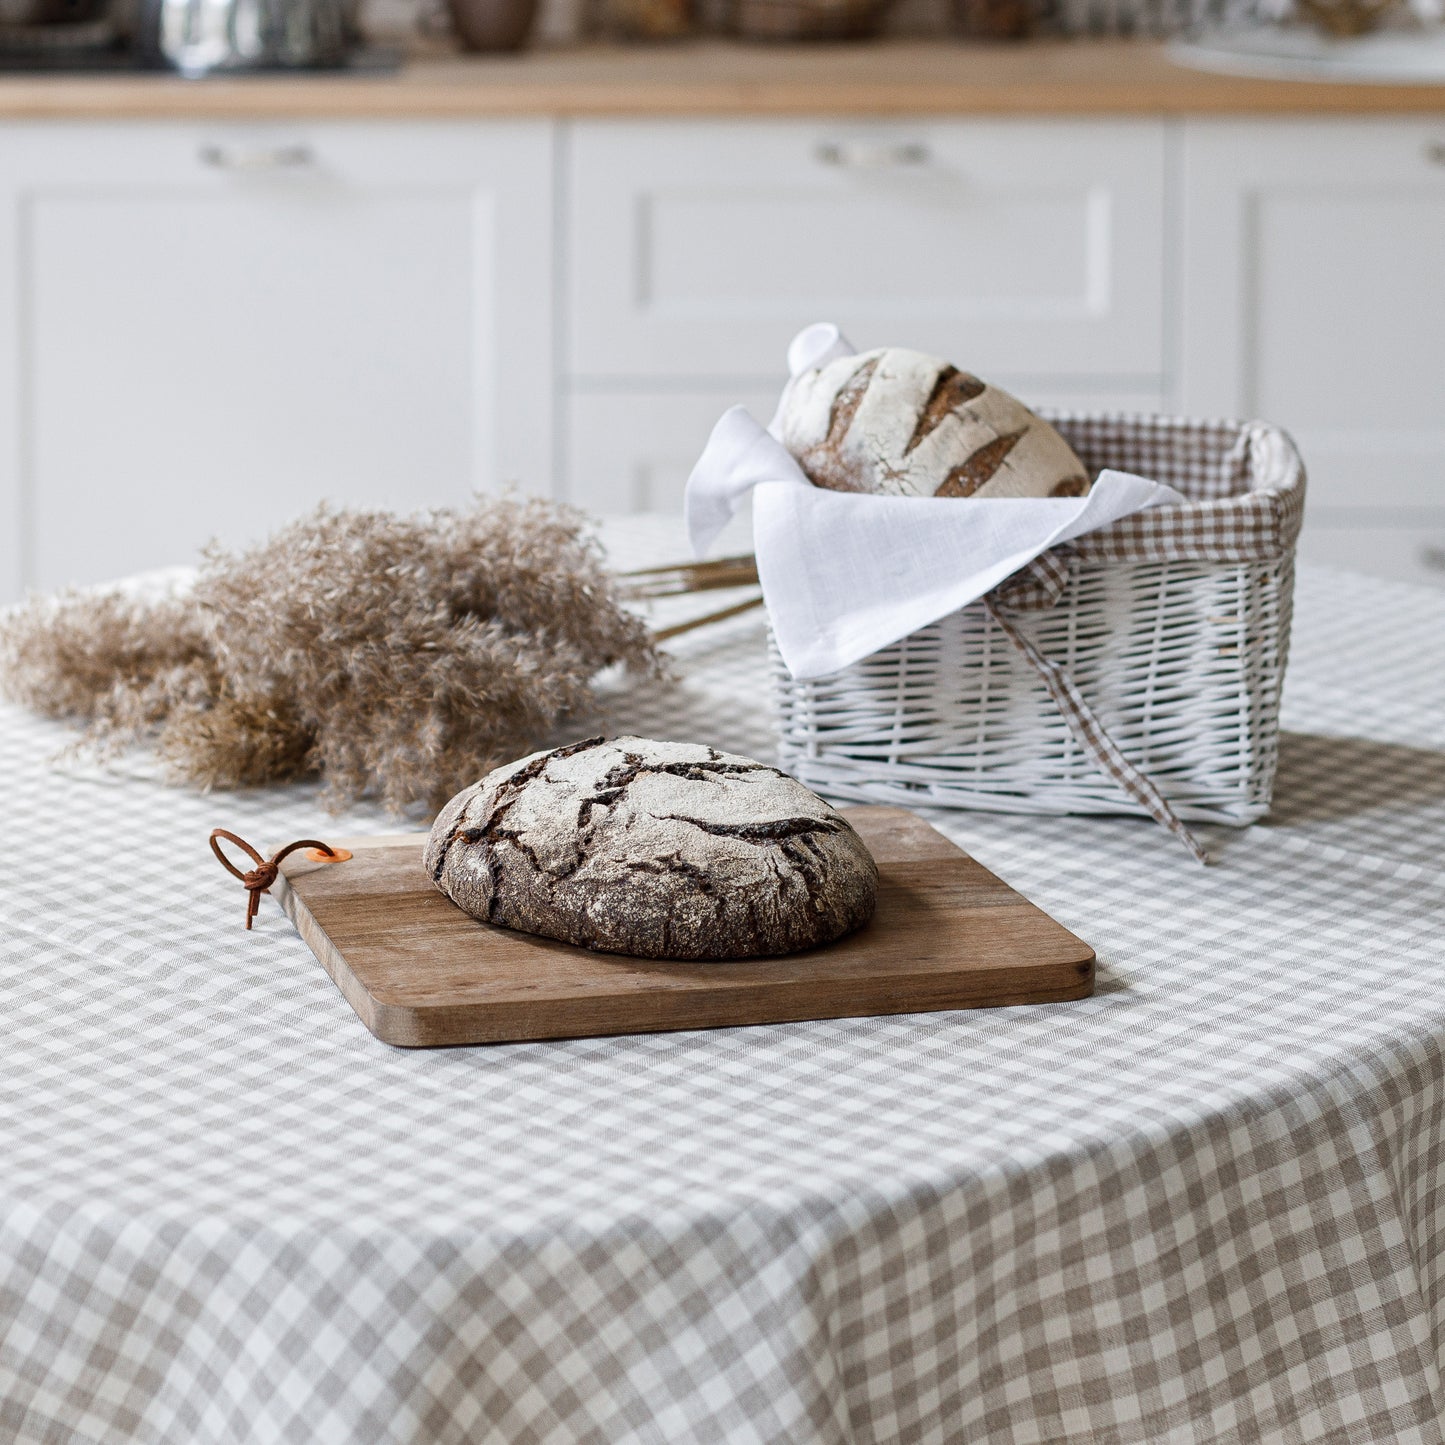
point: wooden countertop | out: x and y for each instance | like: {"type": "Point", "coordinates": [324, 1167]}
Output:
{"type": "Point", "coordinates": [942, 77]}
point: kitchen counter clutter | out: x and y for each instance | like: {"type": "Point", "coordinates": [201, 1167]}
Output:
{"type": "Point", "coordinates": [718, 78]}
{"type": "Point", "coordinates": [1200, 1204]}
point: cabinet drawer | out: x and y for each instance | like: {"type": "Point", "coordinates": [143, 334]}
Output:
{"type": "Point", "coordinates": [1032, 248]}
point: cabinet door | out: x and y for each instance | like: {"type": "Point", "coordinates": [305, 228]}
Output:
{"type": "Point", "coordinates": [1314, 296]}
{"type": "Point", "coordinates": [207, 329]}
{"type": "Point", "coordinates": [1033, 249]}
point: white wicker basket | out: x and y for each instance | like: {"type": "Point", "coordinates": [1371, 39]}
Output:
{"type": "Point", "coordinates": [1173, 625]}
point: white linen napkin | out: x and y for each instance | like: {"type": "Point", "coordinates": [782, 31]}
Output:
{"type": "Point", "coordinates": [845, 573]}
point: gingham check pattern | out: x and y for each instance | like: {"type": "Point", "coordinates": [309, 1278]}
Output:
{"type": "Point", "coordinates": [1245, 478]}
{"type": "Point", "coordinates": [1207, 1204]}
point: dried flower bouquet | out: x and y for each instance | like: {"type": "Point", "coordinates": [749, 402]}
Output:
{"type": "Point", "coordinates": [393, 657]}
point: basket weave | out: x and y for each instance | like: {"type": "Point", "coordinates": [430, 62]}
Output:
{"type": "Point", "coordinates": [1172, 624]}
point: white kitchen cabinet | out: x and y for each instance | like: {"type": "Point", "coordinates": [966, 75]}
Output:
{"type": "Point", "coordinates": [1028, 248]}
{"type": "Point", "coordinates": [206, 329]}
{"type": "Point", "coordinates": [1313, 294]}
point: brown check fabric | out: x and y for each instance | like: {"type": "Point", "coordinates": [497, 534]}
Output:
{"type": "Point", "coordinates": [1205, 1206]}
{"type": "Point", "coordinates": [1245, 481]}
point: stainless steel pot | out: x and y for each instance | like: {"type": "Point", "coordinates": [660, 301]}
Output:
{"type": "Point", "coordinates": [206, 37]}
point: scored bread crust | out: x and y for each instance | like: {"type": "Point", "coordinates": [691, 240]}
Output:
{"type": "Point", "coordinates": [900, 423]}
{"type": "Point", "coordinates": [656, 849]}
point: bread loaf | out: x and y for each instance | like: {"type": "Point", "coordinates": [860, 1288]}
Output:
{"type": "Point", "coordinates": [663, 850]}
{"type": "Point", "coordinates": [900, 423]}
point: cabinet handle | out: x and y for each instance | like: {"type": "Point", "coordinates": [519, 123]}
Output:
{"type": "Point", "coordinates": [1435, 152]}
{"type": "Point", "coordinates": [263, 158]}
{"type": "Point", "coordinates": [871, 156]}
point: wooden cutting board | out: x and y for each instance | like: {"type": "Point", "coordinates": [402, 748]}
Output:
{"type": "Point", "coordinates": [947, 934]}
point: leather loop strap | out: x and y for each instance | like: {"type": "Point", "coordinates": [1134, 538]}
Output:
{"type": "Point", "coordinates": [259, 879]}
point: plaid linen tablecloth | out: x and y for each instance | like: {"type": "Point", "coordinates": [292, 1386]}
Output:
{"type": "Point", "coordinates": [1207, 1204]}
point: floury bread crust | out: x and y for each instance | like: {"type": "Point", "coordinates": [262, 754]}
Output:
{"type": "Point", "coordinates": [657, 849]}
{"type": "Point", "coordinates": [899, 423]}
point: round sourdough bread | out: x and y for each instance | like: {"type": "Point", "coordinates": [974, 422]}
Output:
{"type": "Point", "coordinates": [663, 850]}
{"type": "Point", "coordinates": [900, 423]}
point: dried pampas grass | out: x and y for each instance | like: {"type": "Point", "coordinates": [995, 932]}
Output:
{"type": "Point", "coordinates": [394, 657]}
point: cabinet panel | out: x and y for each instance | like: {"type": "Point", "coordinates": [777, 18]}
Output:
{"type": "Point", "coordinates": [1314, 296]}
{"type": "Point", "coordinates": [699, 249]}
{"type": "Point", "coordinates": [215, 331]}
